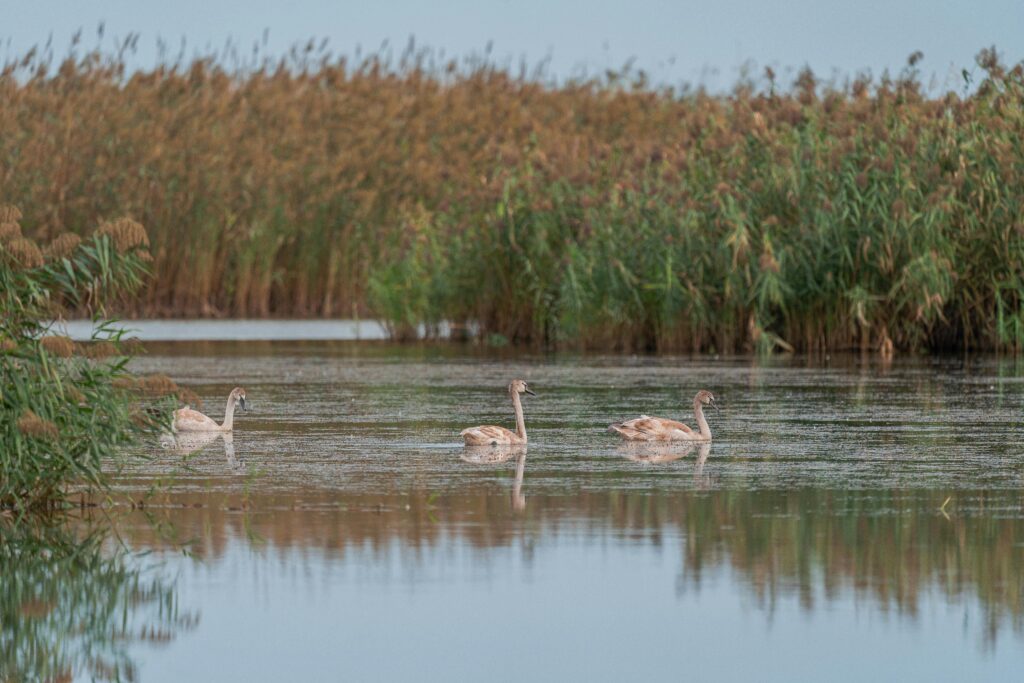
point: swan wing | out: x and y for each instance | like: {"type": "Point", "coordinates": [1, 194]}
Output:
{"type": "Point", "coordinates": [187, 419]}
{"type": "Point", "coordinates": [646, 428]}
{"type": "Point", "coordinates": [487, 435]}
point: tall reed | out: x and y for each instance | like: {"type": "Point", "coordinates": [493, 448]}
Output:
{"type": "Point", "coordinates": [600, 213]}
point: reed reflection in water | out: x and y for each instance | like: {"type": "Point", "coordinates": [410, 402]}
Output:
{"type": "Point", "coordinates": [75, 606]}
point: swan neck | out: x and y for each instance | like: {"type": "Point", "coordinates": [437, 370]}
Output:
{"type": "Point", "coordinates": [702, 423]}
{"type": "Point", "coordinates": [229, 415]}
{"type": "Point", "coordinates": [520, 423]}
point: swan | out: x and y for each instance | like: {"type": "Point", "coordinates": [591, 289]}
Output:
{"type": "Point", "coordinates": [646, 428]}
{"type": "Point", "coordinates": [489, 435]}
{"type": "Point", "coordinates": [188, 420]}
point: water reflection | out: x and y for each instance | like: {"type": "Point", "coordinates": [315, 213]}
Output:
{"type": "Point", "coordinates": [71, 605]}
{"type": "Point", "coordinates": [491, 455]}
{"type": "Point", "coordinates": [652, 452]}
{"type": "Point", "coordinates": [889, 548]}
{"type": "Point", "coordinates": [518, 499]}
{"type": "Point", "coordinates": [189, 443]}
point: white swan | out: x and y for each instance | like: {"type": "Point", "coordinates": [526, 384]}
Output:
{"type": "Point", "coordinates": [188, 420]}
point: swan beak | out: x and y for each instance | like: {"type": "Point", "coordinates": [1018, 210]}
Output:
{"type": "Point", "coordinates": [713, 404]}
{"type": "Point", "coordinates": [241, 402]}
{"type": "Point", "coordinates": [529, 392]}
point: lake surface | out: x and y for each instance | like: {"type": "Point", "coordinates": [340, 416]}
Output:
{"type": "Point", "coordinates": [239, 330]}
{"type": "Point", "coordinates": [851, 521]}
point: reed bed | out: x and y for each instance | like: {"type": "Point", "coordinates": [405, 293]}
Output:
{"type": "Point", "coordinates": [602, 213]}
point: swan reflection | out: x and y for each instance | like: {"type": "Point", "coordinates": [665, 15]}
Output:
{"type": "Point", "coordinates": [492, 455]}
{"type": "Point", "coordinates": [187, 443]}
{"type": "Point", "coordinates": [660, 452]}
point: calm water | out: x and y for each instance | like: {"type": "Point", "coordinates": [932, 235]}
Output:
{"type": "Point", "coordinates": [851, 521]}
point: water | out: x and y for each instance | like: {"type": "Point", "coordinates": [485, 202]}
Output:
{"type": "Point", "coordinates": [235, 330]}
{"type": "Point", "coordinates": [851, 521]}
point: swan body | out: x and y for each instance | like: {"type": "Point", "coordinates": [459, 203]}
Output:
{"type": "Point", "coordinates": [188, 420]}
{"type": "Point", "coordinates": [490, 435]}
{"type": "Point", "coordinates": [646, 428]}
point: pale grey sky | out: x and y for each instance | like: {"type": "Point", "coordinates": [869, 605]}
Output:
{"type": "Point", "coordinates": [696, 42]}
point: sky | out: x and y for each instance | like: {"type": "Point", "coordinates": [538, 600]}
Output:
{"type": "Point", "coordinates": [708, 43]}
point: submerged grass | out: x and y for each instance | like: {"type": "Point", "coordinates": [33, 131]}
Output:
{"type": "Point", "coordinates": [601, 213]}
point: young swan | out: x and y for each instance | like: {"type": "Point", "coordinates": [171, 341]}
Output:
{"type": "Point", "coordinates": [646, 428]}
{"type": "Point", "coordinates": [489, 435]}
{"type": "Point", "coordinates": [188, 420]}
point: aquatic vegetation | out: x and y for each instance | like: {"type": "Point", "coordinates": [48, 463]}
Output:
{"type": "Point", "coordinates": [600, 213]}
{"type": "Point", "coordinates": [66, 409]}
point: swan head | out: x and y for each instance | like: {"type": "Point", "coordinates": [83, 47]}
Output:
{"type": "Point", "coordinates": [706, 398]}
{"type": "Point", "coordinates": [238, 396]}
{"type": "Point", "coordinates": [519, 386]}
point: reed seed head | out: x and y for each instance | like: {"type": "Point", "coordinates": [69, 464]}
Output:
{"type": "Point", "coordinates": [127, 383]}
{"type": "Point", "coordinates": [189, 397]}
{"type": "Point", "coordinates": [25, 252]}
{"type": "Point", "coordinates": [59, 346]}
{"type": "Point", "coordinates": [899, 209]}
{"type": "Point", "coordinates": [125, 233]}
{"type": "Point", "coordinates": [98, 350]}
{"type": "Point", "coordinates": [768, 262]}
{"type": "Point", "coordinates": [9, 230]}
{"type": "Point", "coordinates": [33, 426]}
{"type": "Point", "coordinates": [9, 213]}
{"type": "Point", "coordinates": [158, 385]}
{"type": "Point", "coordinates": [63, 246]}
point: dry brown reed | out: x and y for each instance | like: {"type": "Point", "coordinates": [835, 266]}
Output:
{"type": "Point", "coordinates": [33, 426]}
{"type": "Point", "coordinates": [190, 398]}
{"type": "Point", "coordinates": [9, 231]}
{"type": "Point", "coordinates": [59, 346]}
{"type": "Point", "coordinates": [9, 214]}
{"type": "Point", "coordinates": [98, 350]}
{"type": "Point", "coordinates": [125, 233]}
{"type": "Point", "coordinates": [62, 246]}
{"type": "Point", "coordinates": [157, 385]}
{"type": "Point", "coordinates": [25, 252]}
{"type": "Point", "coordinates": [596, 213]}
